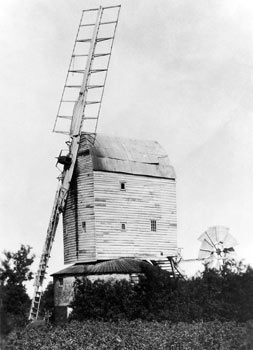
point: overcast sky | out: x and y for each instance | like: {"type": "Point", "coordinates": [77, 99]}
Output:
{"type": "Point", "coordinates": [180, 73]}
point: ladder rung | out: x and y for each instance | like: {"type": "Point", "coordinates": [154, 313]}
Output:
{"type": "Point", "coordinates": [101, 54]}
{"type": "Point", "coordinates": [104, 39]}
{"type": "Point", "coordinates": [111, 7]}
{"type": "Point", "coordinates": [76, 71]}
{"type": "Point", "coordinates": [96, 9]}
{"type": "Point", "coordinates": [87, 25]}
{"type": "Point", "coordinates": [73, 86]}
{"type": "Point", "coordinates": [83, 40]}
{"type": "Point", "coordinates": [92, 102]}
{"type": "Point", "coordinates": [109, 22]}
{"type": "Point", "coordinates": [97, 70]}
{"type": "Point", "coordinates": [97, 40]}
{"type": "Point", "coordinates": [85, 118]}
{"type": "Point", "coordinates": [80, 55]}
{"type": "Point", "coordinates": [95, 86]}
{"type": "Point", "coordinates": [65, 117]}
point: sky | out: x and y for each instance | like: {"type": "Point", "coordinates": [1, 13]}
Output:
{"type": "Point", "coordinates": [180, 73]}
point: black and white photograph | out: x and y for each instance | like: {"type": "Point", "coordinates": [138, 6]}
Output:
{"type": "Point", "coordinates": [126, 175]}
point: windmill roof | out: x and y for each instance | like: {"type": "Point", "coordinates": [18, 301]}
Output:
{"type": "Point", "coordinates": [139, 157]}
{"type": "Point", "coordinates": [123, 265]}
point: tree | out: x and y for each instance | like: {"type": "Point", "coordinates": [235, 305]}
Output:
{"type": "Point", "coordinates": [15, 269]}
{"type": "Point", "coordinates": [47, 299]}
{"type": "Point", "coordinates": [14, 272]}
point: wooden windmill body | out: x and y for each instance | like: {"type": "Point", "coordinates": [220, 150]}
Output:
{"type": "Point", "coordinates": [121, 202]}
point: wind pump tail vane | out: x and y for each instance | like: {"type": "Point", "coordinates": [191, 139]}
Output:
{"type": "Point", "coordinates": [79, 110]}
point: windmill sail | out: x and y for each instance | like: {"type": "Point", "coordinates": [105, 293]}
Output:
{"type": "Point", "coordinates": [78, 103]}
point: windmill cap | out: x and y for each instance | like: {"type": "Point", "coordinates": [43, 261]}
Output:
{"type": "Point", "coordinates": [123, 155]}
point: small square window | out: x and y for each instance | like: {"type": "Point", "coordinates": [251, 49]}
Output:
{"type": "Point", "coordinates": [122, 186]}
{"type": "Point", "coordinates": [153, 225]}
{"type": "Point", "coordinates": [84, 226]}
{"type": "Point", "coordinates": [123, 226]}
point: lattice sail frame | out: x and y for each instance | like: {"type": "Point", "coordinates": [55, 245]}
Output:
{"type": "Point", "coordinates": [89, 61]}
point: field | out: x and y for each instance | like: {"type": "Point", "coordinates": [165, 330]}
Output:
{"type": "Point", "coordinates": [134, 335]}
{"type": "Point", "coordinates": [213, 311]}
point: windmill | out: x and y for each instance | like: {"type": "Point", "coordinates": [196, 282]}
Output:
{"type": "Point", "coordinates": [79, 109]}
{"type": "Point", "coordinates": [217, 246]}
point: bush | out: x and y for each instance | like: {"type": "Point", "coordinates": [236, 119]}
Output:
{"type": "Point", "coordinates": [104, 300]}
{"type": "Point", "coordinates": [224, 296]}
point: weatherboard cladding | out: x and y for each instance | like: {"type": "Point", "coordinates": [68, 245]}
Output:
{"type": "Point", "coordinates": [95, 198]}
{"type": "Point", "coordinates": [145, 198]}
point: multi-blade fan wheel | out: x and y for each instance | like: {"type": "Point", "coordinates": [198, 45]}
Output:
{"type": "Point", "coordinates": [216, 247]}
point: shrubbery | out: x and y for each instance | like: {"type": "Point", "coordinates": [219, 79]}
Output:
{"type": "Point", "coordinates": [134, 335]}
{"type": "Point", "coordinates": [224, 296]}
{"type": "Point", "coordinates": [109, 312]}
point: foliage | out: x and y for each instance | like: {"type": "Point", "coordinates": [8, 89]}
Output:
{"type": "Point", "coordinates": [225, 295]}
{"type": "Point", "coordinates": [15, 269]}
{"type": "Point", "coordinates": [47, 299]}
{"type": "Point", "coordinates": [14, 272]}
{"type": "Point", "coordinates": [104, 300]}
{"type": "Point", "coordinates": [134, 335]}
